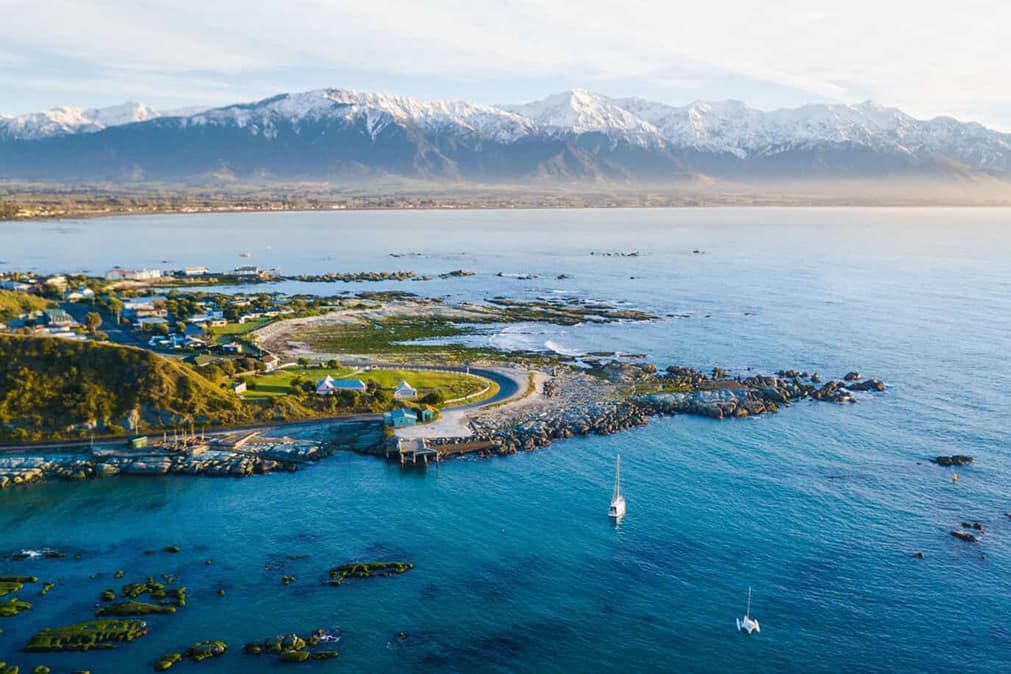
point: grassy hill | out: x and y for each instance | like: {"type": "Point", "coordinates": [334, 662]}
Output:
{"type": "Point", "coordinates": [13, 304]}
{"type": "Point", "coordinates": [57, 388]}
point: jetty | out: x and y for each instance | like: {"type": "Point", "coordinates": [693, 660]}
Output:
{"type": "Point", "coordinates": [411, 451]}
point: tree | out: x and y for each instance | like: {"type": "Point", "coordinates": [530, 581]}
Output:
{"type": "Point", "coordinates": [93, 320]}
{"type": "Point", "coordinates": [434, 398]}
{"type": "Point", "coordinates": [116, 307]}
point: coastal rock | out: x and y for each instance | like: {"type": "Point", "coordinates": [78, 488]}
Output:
{"type": "Point", "coordinates": [367, 570]}
{"type": "Point", "coordinates": [94, 634]}
{"type": "Point", "coordinates": [868, 385]}
{"type": "Point", "coordinates": [203, 650]}
{"type": "Point", "coordinates": [166, 661]}
{"type": "Point", "coordinates": [12, 607]}
{"type": "Point", "coordinates": [964, 535]}
{"type": "Point", "coordinates": [953, 460]}
{"type": "Point", "coordinates": [851, 376]}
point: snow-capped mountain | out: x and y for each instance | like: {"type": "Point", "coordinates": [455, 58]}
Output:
{"type": "Point", "coordinates": [581, 111]}
{"type": "Point", "coordinates": [378, 111]}
{"type": "Point", "coordinates": [65, 121]}
{"type": "Point", "coordinates": [573, 135]}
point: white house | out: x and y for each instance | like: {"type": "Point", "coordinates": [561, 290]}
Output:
{"type": "Point", "coordinates": [405, 392]}
{"type": "Point", "coordinates": [329, 386]}
{"type": "Point", "coordinates": [271, 362]}
{"type": "Point", "coordinates": [120, 274]}
{"type": "Point", "coordinates": [79, 295]}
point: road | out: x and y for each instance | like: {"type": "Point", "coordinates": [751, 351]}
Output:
{"type": "Point", "coordinates": [117, 334]}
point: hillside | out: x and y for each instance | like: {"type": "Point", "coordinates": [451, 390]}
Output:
{"type": "Point", "coordinates": [578, 136]}
{"type": "Point", "coordinates": [52, 387]}
{"type": "Point", "coordinates": [13, 304]}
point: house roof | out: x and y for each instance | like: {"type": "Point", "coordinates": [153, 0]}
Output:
{"type": "Point", "coordinates": [329, 381]}
{"type": "Point", "coordinates": [403, 414]}
{"type": "Point", "coordinates": [405, 386]}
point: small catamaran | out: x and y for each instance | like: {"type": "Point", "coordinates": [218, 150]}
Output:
{"type": "Point", "coordinates": [746, 623]}
{"type": "Point", "coordinates": [617, 509]}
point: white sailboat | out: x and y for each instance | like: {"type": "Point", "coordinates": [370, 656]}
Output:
{"type": "Point", "coordinates": [617, 509]}
{"type": "Point", "coordinates": [747, 623]}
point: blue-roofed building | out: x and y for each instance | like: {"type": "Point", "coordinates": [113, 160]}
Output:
{"type": "Point", "coordinates": [329, 386]}
{"type": "Point", "coordinates": [400, 418]}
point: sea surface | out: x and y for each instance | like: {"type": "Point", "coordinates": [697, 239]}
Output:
{"type": "Point", "coordinates": [820, 509]}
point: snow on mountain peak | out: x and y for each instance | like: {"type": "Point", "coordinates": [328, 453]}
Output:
{"type": "Point", "coordinates": [70, 120]}
{"type": "Point", "coordinates": [377, 111]}
{"type": "Point", "coordinates": [582, 111]}
{"type": "Point", "coordinates": [718, 127]}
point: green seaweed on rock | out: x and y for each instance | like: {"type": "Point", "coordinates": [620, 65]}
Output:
{"type": "Point", "coordinates": [166, 661]}
{"type": "Point", "coordinates": [12, 607]}
{"type": "Point", "coordinates": [202, 650]}
{"type": "Point", "coordinates": [367, 570]}
{"type": "Point", "coordinates": [86, 636]}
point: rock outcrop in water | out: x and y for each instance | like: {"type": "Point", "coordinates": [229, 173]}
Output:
{"type": "Point", "coordinates": [953, 460]}
{"type": "Point", "coordinates": [86, 636]}
{"type": "Point", "coordinates": [368, 570]}
{"type": "Point", "coordinates": [294, 648]}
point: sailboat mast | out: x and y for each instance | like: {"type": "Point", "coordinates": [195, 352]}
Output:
{"type": "Point", "coordinates": [749, 603]}
{"type": "Point", "coordinates": [617, 479]}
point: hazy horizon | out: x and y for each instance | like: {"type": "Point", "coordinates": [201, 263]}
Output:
{"type": "Point", "coordinates": [101, 54]}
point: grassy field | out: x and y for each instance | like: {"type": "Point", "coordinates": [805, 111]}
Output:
{"type": "Point", "coordinates": [234, 329]}
{"type": "Point", "coordinates": [278, 383]}
{"type": "Point", "coordinates": [452, 384]}
{"type": "Point", "coordinates": [387, 339]}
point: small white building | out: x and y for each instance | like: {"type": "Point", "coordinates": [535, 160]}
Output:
{"type": "Point", "coordinates": [81, 294]}
{"type": "Point", "coordinates": [120, 274]}
{"type": "Point", "coordinates": [405, 392]}
{"type": "Point", "coordinates": [271, 362]}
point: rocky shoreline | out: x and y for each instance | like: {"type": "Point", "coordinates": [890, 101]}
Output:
{"type": "Point", "coordinates": [225, 457]}
{"type": "Point", "coordinates": [608, 397]}
{"type": "Point", "coordinates": [588, 403]}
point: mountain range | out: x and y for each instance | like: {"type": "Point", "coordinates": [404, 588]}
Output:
{"type": "Point", "coordinates": [336, 134]}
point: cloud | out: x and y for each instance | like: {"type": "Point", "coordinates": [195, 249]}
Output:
{"type": "Point", "coordinates": [931, 59]}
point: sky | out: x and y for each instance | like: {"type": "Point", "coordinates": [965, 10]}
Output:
{"type": "Point", "coordinates": [929, 58]}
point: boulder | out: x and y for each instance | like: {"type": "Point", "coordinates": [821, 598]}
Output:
{"type": "Point", "coordinates": [953, 460]}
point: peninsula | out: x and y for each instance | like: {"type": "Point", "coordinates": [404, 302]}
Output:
{"type": "Point", "coordinates": [270, 383]}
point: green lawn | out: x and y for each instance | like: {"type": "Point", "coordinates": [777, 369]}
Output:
{"type": "Point", "coordinates": [238, 328]}
{"type": "Point", "coordinates": [452, 384]}
{"type": "Point", "coordinates": [278, 383]}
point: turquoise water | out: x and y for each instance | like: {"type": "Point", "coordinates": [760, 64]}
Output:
{"type": "Point", "coordinates": [820, 508]}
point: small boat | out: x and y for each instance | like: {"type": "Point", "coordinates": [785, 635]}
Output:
{"type": "Point", "coordinates": [747, 623]}
{"type": "Point", "coordinates": [245, 255]}
{"type": "Point", "coordinates": [617, 509]}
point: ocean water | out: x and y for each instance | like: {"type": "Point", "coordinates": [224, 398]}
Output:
{"type": "Point", "coordinates": [819, 509]}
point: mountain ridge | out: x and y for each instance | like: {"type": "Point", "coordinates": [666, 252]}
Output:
{"type": "Point", "coordinates": [574, 135]}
